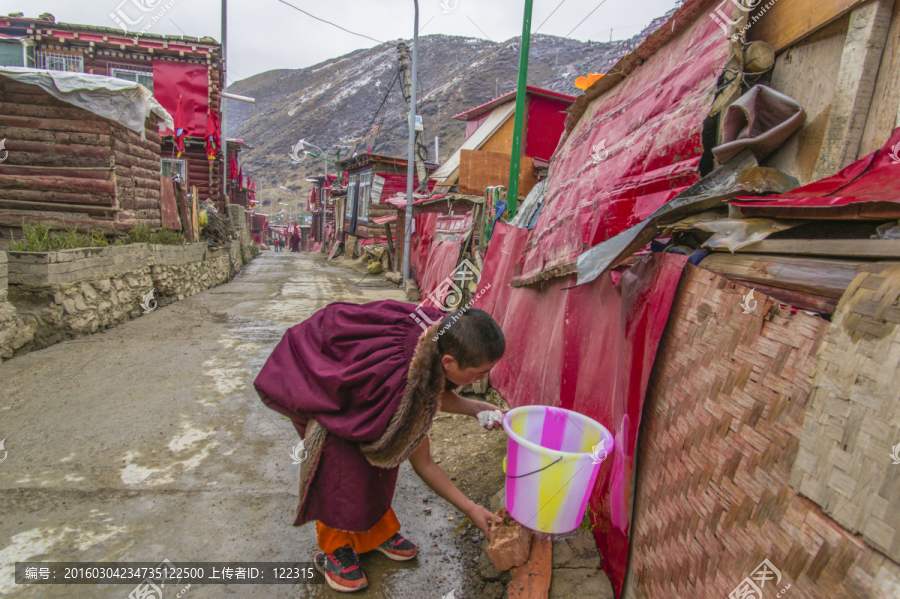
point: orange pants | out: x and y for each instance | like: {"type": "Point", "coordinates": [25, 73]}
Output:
{"type": "Point", "coordinates": [361, 542]}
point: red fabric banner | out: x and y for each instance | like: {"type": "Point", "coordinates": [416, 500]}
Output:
{"type": "Point", "coordinates": [190, 81]}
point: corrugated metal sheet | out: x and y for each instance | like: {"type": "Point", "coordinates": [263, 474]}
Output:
{"type": "Point", "coordinates": [637, 146]}
{"type": "Point", "coordinates": [377, 187]}
{"type": "Point", "coordinates": [589, 349]}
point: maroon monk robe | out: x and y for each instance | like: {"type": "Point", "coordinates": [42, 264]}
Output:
{"type": "Point", "coordinates": [362, 384]}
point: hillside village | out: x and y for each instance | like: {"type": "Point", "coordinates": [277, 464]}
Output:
{"type": "Point", "coordinates": [448, 317]}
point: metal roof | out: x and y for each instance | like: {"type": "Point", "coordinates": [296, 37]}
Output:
{"type": "Point", "coordinates": [473, 113]}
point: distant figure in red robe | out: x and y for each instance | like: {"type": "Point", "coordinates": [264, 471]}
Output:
{"type": "Point", "coordinates": [295, 242]}
{"type": "Point", "coordinates": [362, 385]}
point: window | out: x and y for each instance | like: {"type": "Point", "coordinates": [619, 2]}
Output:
{"type": "Point", "coordinates": [142, 75]}
{"type": "Point", "coordinates": [171, 166]}
{"type": "Point", "coordinates": [58, 61]}
{"type": "Point", "coordinates": [365, 193]}
{"type": "Point", "coordinates": [351, 194]}
{"type": "Point", "coordinates": [16, 53]}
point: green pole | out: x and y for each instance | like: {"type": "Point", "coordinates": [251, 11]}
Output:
{"type": "Point", "coordinates": [512, 192]}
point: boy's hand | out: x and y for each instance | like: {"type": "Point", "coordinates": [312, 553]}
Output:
{"type": "Point", "coordinates": [481, 516]}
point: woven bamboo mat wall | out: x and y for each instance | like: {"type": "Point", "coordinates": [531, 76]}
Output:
{"type": "Point", "coordinates": [844, 464]}
{"type": "Point", "coordinates": [719, 438]}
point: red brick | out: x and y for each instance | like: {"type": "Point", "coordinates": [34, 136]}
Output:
{"type": "Point", "coordinates": [509, 543]}
{"type": "Point", "coordinates": [532, 580]}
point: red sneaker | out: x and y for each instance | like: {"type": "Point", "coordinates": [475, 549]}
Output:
{"type": "Point", "coordinates": [341, 570]}
{"type": "Point", "coordinates": [398, 548]}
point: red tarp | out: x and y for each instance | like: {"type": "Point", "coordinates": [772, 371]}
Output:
{"type": "Point", "coordinates": [441, 264]}
{"type": "Point", "coordinates": [645, 137]}
{"type": "Point", "coordinates": [589, 349]}
{"type": "Point", "coordinates": [190, 81]}
{"type": "Point", "coordinates": [870, 179]}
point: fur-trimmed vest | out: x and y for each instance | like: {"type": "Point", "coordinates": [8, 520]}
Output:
{"type": "Point", "coordinates": [411, 422]}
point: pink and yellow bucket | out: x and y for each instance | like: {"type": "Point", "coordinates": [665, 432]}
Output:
{"type": "Point", "coordinates": [551, 465]}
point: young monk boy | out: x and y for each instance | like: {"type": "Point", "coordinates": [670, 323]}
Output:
{"type": "Point", "coordinates": [362, 384]}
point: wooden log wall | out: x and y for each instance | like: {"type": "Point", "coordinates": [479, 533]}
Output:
{"type": "Point", "coordinates": [208, 183]}
{"type": "Point", "coordinates": [137, 176]}
{"type": "Point", "coordinates": [70, 168]}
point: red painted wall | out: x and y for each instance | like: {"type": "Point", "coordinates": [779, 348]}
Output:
{"type": "Point", "coordinates": [546, 121]}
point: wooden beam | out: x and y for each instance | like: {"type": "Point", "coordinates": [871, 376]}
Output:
{"type": "Point", "coordinates": [816, 276]}
{"type": "Point", "coordinates": [866, 38]}
{"type": "Point", "coordinates": [846, 248]}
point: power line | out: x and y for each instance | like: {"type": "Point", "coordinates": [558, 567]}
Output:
{"type": "Point", "coordinates": [479, 28]}
{"type": "Point", "coordinates": [548, 16]}
{"type": "Point", "coordinates": [602, 2]}
{"type": "Point", "coordinates": [330, 23]}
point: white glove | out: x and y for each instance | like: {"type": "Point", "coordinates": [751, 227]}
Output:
{"type": "Point", "coordinates": [488, 418]}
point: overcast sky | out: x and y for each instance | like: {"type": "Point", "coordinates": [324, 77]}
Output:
{"type": "Point", "coordinates": [268, 34]}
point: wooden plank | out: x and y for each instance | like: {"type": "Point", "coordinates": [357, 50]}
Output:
{"type": "Point", "coordinates": [15, 146]}
{"type": "Point", "coordinates": [57, 137]}
{"type": "Point", "coordinates": [65, 184]}
{"type": "Point", "coordinates": [787, 22]}
{"type": "Point", "coordinates": [10, 204]}
{"type": "Point", "coordinates": [807, 72]}
{"type": "Point", "coordinates": [390, 244]}
{"type": "Point", "coordinates": [56, 196]}
{"type": "Point", "coordinates": [847, 248]}
{"type": "Point", "coordinates": [183, 210]}
{"type": "Point", "coordinates": [195, 216]}
{"type": "Point", "coordinates": [884, 113]}
{"type": "Point", "coordinates": [54, 124]}
{"type": "Point", "coordinates": [818, 276]}
{"type": "Point", "coordinates": [866, 38]}
{"type": "Point", "coordinates": [24, 170]}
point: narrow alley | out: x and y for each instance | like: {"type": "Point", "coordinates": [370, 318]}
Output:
{"type": "Point", "coordinates": [147, 442]}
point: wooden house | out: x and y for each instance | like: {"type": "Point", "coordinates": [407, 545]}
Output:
{"type": "Point", "coordinates": [171, 67]}
{"type": "Point", "coordinates": [371, 177]}
{"type": "Point", "coordinates": [483, 159]}
{"type": "Point", "coordinates": [73, 167]}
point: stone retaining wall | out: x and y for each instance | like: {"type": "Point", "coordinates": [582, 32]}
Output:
{"type": "Point", "coordinates": [54, 296]}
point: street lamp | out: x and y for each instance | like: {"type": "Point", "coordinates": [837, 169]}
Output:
{"type": "Point", "coordinates": [290, 211]}
{"type": "Point", "coordinates": [324, 157]}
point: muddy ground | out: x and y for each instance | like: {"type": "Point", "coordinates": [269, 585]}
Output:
{"type": "Point", "coordinates": [147, 442]}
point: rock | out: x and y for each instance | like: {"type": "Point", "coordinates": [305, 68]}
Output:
{"type": "Point", "coordinates": [510, 543]}
{"type": "Point", "coordinates": [486, 569]}
{"type": "Point", "coordinates": [532, 579]}
{"type": "Point", "coordinates": [412, 291]}
{"type": "Point", "coordinates": [69, 306]}
{"type": "Point", "coordinates": [580, 582]}
{"type": "Point", "coordinates": [493, 590]}
{"type": "Point", "coordinates": [79, 304]}
{"type": "Point", "coordinates": [88, 291]}
{"type": "Point", "coordinates": [576, 550]}
{"type": "Point", "coordinates": [498, 501]}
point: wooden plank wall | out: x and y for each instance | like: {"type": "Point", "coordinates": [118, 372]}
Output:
{"type": "Point", "coordinates": [70, 168]}
{"type": "Point", "coordinates": [479, 169]}
{"type": "Point", "coordinates": [841, 61]}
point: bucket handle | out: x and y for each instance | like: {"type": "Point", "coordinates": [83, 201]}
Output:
{"type": "Point", "coordinates": [530, 473]}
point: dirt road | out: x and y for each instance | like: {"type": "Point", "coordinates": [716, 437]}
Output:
{"type": "Point", "coordinates": [147, 442]}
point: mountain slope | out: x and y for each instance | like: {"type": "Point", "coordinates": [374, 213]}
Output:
{"type": "Point", "coordinates": [357, 96]}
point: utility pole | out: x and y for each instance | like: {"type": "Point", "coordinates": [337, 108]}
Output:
{"type": "Point", "coordinates": [411, 153]}
{"type": "Point", "coordinates": [408, 87]}
{"type": "Point", "coordinates": [610, 36]}
{"type": "Point", "coordinates": [222, 85]}
{"type": "Point", "coordinates": [512, 193]}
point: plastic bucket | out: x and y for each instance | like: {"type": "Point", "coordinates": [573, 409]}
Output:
{"type": "Point", "coordinates": [550, 467]}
